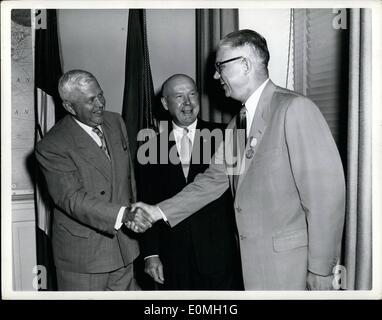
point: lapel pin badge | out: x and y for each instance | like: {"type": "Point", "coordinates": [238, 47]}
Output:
{"type": "Point", "coordinates": [252, 142]}
{"type": "Point", "coordinates": [249, 154]}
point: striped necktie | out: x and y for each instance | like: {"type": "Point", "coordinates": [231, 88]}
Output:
{"type": "Point", "coordinates": [242, 122]}
{"type": "Point", "coordinates": [103, 142]}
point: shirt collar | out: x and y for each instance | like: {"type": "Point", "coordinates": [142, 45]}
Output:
{"type": "Point", "coordinates": [254, 98]}
{"type": "Point", "coordinates": [83, 125]}
{"type": "Point", "coordinates": [190, 128]}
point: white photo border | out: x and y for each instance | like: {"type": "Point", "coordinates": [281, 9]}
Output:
{"type": "Point", "coordinates": [6, 159]}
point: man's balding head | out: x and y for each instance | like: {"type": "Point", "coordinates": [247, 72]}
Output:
{"type": "Point", "coordinates": [180, 97]}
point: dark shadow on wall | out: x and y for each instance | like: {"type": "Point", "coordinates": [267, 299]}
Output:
{"type": "Point", "coordinates": [344, 96]}
{"type": "Point", "coordinates": [44, 251]}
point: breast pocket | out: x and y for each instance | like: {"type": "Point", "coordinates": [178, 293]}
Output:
{"type": "Point", "coordinates": [268, 161]}
{"type": "Point", "coordinates": [266, 155]}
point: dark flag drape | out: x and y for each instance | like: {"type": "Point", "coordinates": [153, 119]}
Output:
{"type": "Point", "coordinates": [138, 97]}
{"type": "Point", "coordinates": [138, 102]}
{"type": "Point", "coordinates": [47, 60]}
{"type": "Point", "coordinates": [48, 111]}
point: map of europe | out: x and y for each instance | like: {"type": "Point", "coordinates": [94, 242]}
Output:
{"type": "Point", "coordinates": [22, 100]}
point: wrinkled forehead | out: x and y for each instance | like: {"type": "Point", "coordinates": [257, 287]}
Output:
{"type": "Point", "coordinates": [87, 82]}
{"type": "Point", "coordinates": [180, 84]}
{"type": "Point", "coordinates": [88, 85]}
{"type": "Point", "coordinates": [85, 88]}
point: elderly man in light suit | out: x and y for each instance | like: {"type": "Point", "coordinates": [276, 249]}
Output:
{"type": "Point", "coordinates": [289, 194]}
{"type": "Point", "coordinates": [86, 161]}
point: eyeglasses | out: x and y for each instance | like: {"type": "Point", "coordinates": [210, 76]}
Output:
{"type": "Point", "coordinates": [219, 64]}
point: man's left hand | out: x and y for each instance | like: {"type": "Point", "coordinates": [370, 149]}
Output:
{"type": "Point", "coordinates": [318, 282]}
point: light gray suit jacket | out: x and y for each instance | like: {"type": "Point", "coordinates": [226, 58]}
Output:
{"type": "Point", "coordinates": [88, 191]}
{"type": "Point", "coordinates": [289, 199]}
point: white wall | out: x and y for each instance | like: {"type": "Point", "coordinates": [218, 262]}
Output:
{"type": "Point", "coordinates": [273, 25]}
{"type": "Point", "coordinates": [95, 40]}
{"type": "Point", "coordinates": [171, 41]}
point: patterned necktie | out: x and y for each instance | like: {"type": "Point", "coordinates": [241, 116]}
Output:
{"type": "Point", "coordinates": [103, 142]}
{"type": "Point", "coordinates": [242, 122]}
{"type": "Point", "coordinates": [185, 152]}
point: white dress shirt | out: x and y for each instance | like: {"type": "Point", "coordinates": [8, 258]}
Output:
{"type": "Point", "coordinates": [251, 104]}
{"type": "Point", "coordinates": [179, 131]}
{"type": "Point", "coordinates": [90, 132]}
{"type": "Point", "coordinates": [97, 140]}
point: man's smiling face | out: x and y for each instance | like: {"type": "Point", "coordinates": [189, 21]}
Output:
{"type": "Point", "coordinates": [181, 99]}
{"type": "Point", "coordinates": [88, 103]}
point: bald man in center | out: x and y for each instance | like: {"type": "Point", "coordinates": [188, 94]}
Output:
{"type": "Point", "coordinates": [201, 253]}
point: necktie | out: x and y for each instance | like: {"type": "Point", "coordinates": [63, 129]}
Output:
{"type": "Point", "coordinates": [242, 122]}
{"type": "Point", "coordinates": [102, 138]}
{"type": "Point", "coordinates": [185, 152]}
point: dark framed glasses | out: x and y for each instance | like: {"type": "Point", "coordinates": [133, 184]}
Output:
{"type": "Point", "coordinates": [219, 64]}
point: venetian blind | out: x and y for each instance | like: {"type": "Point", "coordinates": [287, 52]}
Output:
{"type": "Point", "coordinates": [320, 63]}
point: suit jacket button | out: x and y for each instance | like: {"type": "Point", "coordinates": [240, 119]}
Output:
{"type": "Point", "coordinates": [238, 209]}
{"type": "Point", "coordinates": [242, 237]}
{"type": "Point", "coordinates": [102, 192]}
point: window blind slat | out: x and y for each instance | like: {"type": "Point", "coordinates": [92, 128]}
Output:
{"type": "Point", "coordinates": [317, 59]}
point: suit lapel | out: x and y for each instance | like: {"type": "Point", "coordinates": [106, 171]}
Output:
{"type": "Point", "coordinates": [258, 127]}
{"type": "Point", "coordinates": [89, 150]}
{"type": "Point", "coordinates": [110, 137]}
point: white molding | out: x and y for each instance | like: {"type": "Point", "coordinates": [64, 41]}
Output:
{"type": "Point", "coordinates": [23, 210]}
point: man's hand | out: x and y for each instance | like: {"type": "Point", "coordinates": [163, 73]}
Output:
{"type": "Point", "coordinates": [317, 282]}
{"type": "Point", "coordinates": [136, 220]}
{"type": "Point", "coordinates": [145, 216]}
{"type": "Point", "coordinates": [154, 267]}
{"type": "Point", "coordinates": [151, 213]}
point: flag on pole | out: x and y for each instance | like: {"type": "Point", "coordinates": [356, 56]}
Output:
{"type": "Point", "coordinates": [47, 71]}
{"type": "Point", "coordinates": [138, 97]}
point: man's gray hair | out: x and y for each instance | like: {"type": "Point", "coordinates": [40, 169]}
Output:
{"type": "Point", "coordinates": [248, 37]}
{"type": "Point", "coordinates": [71, 80]}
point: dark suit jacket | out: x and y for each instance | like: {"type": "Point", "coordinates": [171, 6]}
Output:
{"type": "Point", "coordinates": [209, 234]}
{"type": "Point", "coordinates": [88, 191]}
{"type": "Point", "coordinates": [289, 198]}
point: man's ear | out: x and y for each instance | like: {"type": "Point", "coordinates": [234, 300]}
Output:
{"type": "Point", "coordinates": [247, 63]}
{"type": "Point", "coordinates": [68, 107]}
{"type": "Point", "coordinates": [164, 103]}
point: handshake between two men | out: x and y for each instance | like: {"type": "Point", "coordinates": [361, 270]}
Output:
{"type": "Point", "coordinates": [141, 217]}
